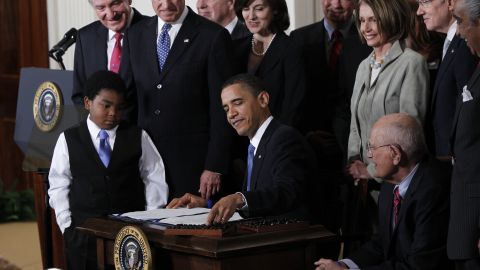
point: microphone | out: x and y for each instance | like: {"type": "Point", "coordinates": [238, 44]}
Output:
{"type": "Point", "coordinates": [62, 46]}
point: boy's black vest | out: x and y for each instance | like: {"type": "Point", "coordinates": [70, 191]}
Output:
{"type": "Point", "coordinates": [96, 190]}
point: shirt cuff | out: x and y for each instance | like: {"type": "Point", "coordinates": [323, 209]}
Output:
{"type": "Point", "coordinates": [245, 206]}
{"type": "Point", "coordinates": [350, 264]}
{"type": "Point", "coordinates": [64, 220]}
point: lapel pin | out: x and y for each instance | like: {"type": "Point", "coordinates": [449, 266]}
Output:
{"type": "Point", "coordinates": [453, 50]}
{"type": "Point", "coordinates": [186, 40]}
{"type": "Point", "coordinates": [259, 156]}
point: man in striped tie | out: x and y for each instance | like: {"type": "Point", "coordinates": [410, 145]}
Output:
{"type": "Point", "coordinates": [413, 202]}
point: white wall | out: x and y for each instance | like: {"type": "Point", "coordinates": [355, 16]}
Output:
{"type": "Point", "coordinates": [65, 14]}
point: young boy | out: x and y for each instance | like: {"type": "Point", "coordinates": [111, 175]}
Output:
{"type": "Point", "coordinates": [101, 167]}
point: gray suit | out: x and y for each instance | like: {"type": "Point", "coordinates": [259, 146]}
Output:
{"type": "Point", "coordinates": [401, 86]}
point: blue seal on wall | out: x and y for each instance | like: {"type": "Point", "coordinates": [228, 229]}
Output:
{"type": "Point", "coordinates": [47, 106]}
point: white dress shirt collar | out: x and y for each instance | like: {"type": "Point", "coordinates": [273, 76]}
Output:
{"type": "Point", "coordinates": [255, 141]}
{"type": "Point", "coordinates": [452, 31]}
{"type": "Point", "coordinates": [176, 25]}
{"type": "Point", "coordinates": [93, 129]}
{"type": "Point", "coordinates": [111, 34]}
{"type": "Point", "coordinates": [231, 26]}
{"type": "Point", "coordinates": [403, 186]}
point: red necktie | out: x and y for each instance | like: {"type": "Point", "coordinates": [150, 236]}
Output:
{"type": "Point", "coordinates": [116, 54]}
{"type": "Point", "coordinates": [337, 45]}
{"type": "Point", "coordinates": [397, 202]}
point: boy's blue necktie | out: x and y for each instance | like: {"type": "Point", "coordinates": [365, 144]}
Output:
{"type": "Point", "coordinates": [104, 150]}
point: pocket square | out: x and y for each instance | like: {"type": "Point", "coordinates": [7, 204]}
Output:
{"type": "Point", "coordinates": [466, 95]}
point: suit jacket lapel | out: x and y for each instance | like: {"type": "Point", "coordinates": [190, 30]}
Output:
{"type": "Point", "coordinates": [184, 38]}
{"type": "Point", "coordinates": [412, 188]}
{"type": "Point", "coordinates": [471, 82]}
{"type": "Point", "coordinates": [274, 54]}
{"type": "Point", "coordinates": [261, 153]}
{"type": "Point", "coordinates": [101, 45]}
{"type": "Point", "coordinates": [444, 66]}
{"type": "Point", "coordinates": [150, 35]}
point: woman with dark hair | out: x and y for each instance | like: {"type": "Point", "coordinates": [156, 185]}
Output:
{"type": "Point", "coordinates": [392, 79]}
{"type": "Point", "coordinates": [270, 55]}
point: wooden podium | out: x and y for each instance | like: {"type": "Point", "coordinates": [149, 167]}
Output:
{"type": "Point", "coordinates": [287, 249]}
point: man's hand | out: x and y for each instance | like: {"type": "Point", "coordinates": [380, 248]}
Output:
{"type": "Point", "coordinates": [188, 200]}
{"type": "Point", "coordinates": [324, 264]}
{"type": "Point", "coordinates": [209, 184]}
{"type": "Point", "coordinates": [224, 209]}
{"type": "Point", "coordinates": [358, 170]}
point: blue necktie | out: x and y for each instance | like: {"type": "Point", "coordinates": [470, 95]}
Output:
{"type": "Point", "coordinates": [104, 150]}
{"type": "Point", "coordinates": [163, 45]}
{"type": "Point", "coordinates": [251, 154]}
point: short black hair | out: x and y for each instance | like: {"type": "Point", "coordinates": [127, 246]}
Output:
{"type": "Point", "coordinates": [251, 83]}
{"type": "Point", "coordinates": [280, 21]}
{"type": "Point", "coordinates": [104, 79]}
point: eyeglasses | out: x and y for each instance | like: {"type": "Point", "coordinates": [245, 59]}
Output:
{"type": "Point", "coordinates": [371, 148]}
{"type": "Point", "coordinates": [424, 3]}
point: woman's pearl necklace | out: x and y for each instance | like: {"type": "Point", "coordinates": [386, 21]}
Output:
{"type": "Point", "coordinates": [254, 42]}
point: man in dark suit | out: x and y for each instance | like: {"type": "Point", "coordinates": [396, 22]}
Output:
{"type": "Point", "coordinates": [95, 43]}
{"type": "Point", "coordinates": [179, 61]}
{"type": "Point", "coordinates": [464, 230]}
{"type": "Point", "coordinates": [455, 69]}
{"type": "Point", "coordinates": [223, 13]}
{"type": "Point", "coordinates": [331, 62]}
{"type": "Point", "coordinates": [322, 44]}
{"type": "Point", "coordinates": [281, 165]}
{"type": "Point", "coordinates": [413, 202]}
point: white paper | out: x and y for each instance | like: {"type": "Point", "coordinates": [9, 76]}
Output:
{"type": "Point", "coordinates": [163, 213]}
{"type": "Point", "coordinates": [195, 219]}
{"type": "Point", "coordinates": [191, 216]}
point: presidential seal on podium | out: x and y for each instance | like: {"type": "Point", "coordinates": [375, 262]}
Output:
{"type": "Point", "coordinates": [47, 106]}
{"type": "Point", "coordinates": [131, 250]}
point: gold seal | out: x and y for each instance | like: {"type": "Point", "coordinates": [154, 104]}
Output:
{"type": "Point", "coordinates": [131, 250]}
{"type": "Point", "coordinates": [47, 106]}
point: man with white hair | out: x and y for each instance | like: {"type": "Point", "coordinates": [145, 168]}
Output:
{"type": "Point", "coordinates": [464, 229]}
{"type": "Point", "coordinates": [99, 45]}
{"type": "Point", "coordinates": [413, 202]}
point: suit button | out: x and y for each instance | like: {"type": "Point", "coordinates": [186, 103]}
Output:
{"type": "Point", "coordinates": [107, 178]}
{"type": "Point", "coordinates": [159, 86]}
{"type": "Point", "coordinates": [157, 112]}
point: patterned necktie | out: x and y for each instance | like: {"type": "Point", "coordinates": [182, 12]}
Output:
{"type": "Point", "coordinates": [337, 45]}
{"type": "Point", "coordinates": [397, 202]}
{"type": "Point", "coordinates": [251, 154]}
{"type": "Point", "coordinates": [116, 54]}
{"type": "Point", "coordinates": [104, 150]}
{"type": "Point", "coordinates": [163, 45]}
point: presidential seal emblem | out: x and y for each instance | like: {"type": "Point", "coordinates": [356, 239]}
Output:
{"type": "Point", "coordinates": [131, 250]}
{"type": "Point", "coordinates": [47, 106]}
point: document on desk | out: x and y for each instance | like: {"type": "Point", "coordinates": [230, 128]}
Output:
{"type": "Point", "coordinates": [194, 216]}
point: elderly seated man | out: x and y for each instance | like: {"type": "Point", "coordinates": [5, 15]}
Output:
{"type": "Point", "coordinates": [413, 203]}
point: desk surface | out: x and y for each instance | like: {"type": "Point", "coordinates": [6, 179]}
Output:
{"type": "Point", "coordinates": [214, 247]}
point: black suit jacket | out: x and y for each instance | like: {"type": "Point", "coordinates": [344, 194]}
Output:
{"type": "Point", "coordinates": [91, 55]}
{"type": "Point", "coordinates": [282, 72]}
{"type": "Point", "coordinates": [419, 238]}
{"type": "Point", "coordinates": [322, 90]}
{"type": "Point", "coordinates": [180, 106]}
{"type": "Point", "coordinates": [464, 229]}
{"type": "Point", "coordinates": [454, 71]}
{"type": "Point", "coordinates": [283, 167]}
{"type": "Point", "coordinates": [240, 31]}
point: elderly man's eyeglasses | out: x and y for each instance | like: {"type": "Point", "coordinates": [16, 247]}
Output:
{"type": "Point", "coordinates": [371, 148]}
{"type": "Point", "coordinates": [424, 3]}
